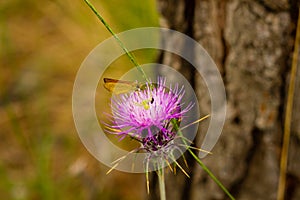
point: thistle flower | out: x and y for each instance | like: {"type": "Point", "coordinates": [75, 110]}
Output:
{"type": "Point", "coordinates": [146, 114]}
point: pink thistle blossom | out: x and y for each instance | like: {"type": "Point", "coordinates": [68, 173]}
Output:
{"type": "Point", "coordinates": [146, 114]}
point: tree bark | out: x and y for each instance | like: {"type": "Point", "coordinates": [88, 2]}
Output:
{"type": "Point", "coordinates": [251, 42]}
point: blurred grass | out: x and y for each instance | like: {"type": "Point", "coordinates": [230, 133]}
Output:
{"type": "Point", "coordinates": [42, 44]}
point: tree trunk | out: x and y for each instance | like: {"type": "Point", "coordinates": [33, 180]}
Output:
{"type": "Point", "coordinates": [251, 43]}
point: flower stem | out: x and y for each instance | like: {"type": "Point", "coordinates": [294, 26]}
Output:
{"type": "Point", "coordinates": [121, 44]}
{"type": "Point", "coordinates": [174, 122]}
{"type": "Point", "coordinates": [161, 180]}
{"type": "Point", "coordinates": [211, 174]}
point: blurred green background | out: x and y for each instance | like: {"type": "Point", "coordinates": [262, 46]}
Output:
{"type": "Point", "coordinates": [42, 44]}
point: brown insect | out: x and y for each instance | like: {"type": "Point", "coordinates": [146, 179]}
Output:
{"type": "Point", "coordinates": [119, 86]}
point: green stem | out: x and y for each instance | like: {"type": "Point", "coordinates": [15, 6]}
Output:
{"type": "Point", "coordinates": [174, 122]}
{"type": "Point", "coordinates": [161, 180]}
{"type": "Point", "coordinates": [130, 55]}
{"type": "Point", "coordinates": [211, 174]}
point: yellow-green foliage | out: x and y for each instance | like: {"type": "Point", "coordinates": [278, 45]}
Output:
{"type": "Point", "coordinates": [42, 44]}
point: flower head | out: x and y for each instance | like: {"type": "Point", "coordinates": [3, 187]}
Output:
{"type": "Point", "coordinates": [146, 114]}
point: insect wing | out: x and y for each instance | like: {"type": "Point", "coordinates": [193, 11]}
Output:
{"type": "Point", "coordinates": [119, 86]}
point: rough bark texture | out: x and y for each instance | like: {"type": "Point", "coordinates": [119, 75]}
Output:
{"type": "Point", "coordinates": [251, 43]}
